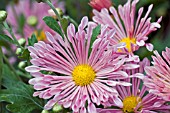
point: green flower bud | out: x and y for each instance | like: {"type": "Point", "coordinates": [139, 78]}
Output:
{"type": "Point", "coordinates": [22, 41]}
{"type": "Point", "coordinates": [18, 51]}
{"type": "Point", "coordinates": [45, 111]}
{"type": "Point", "coordinates": [22, 65]}
{"type": "Point", "coordinates": [3, 16]}
{"type": "Point", "coordinates": [60, 12]}
{"type": "Point", "coordinates": [57, 108]}
{"type": "Point", "coordinates": [32, 20]}
{"type": "Point", "coordinates": [51, 13]}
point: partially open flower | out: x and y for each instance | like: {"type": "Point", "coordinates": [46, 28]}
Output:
{"type": "Point", "coordinates": [99, 4]}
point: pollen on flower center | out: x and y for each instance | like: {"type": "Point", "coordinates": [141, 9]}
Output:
{"type": "Point", "coordinates": [40, 35]}
{"type": "Point", "coordinates": [128, 42]}
{"type": "Point", "coordinates": [83, 75]}
{"type": "Point", "coordinates": [129, 103]}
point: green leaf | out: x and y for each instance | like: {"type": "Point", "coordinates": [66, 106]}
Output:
{"type": "Point", "coordinates": [1, 65]}
{"type": "Point", "coordinates": [53, 24]}
{"type": "Point", "coordinates": [7, 38]}
{"type": "Point", "coordinates": [64, 24]}
{"type": "Point", "coordinates": [25, 55]}
{"type": "Point", "coordinates": [20, 98]}
{"type": "Point", "coordinates": [8, 77]}
{"type": "Point", "coordinates": [32, 40]}
{"type": "Point", "coordinates": [95, 33]}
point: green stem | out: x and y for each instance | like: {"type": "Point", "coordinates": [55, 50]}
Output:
{"type": "Point", "coordinates": [1, 69]}
{"type": "Point", "coordinates": [10, 66]}
{"type": "Point", "coordinates": [72, 21]}
{"type": "Point", "coordinates": [12, 34]}
{"type": "Point", "coordinates": [1, 65]}
{"type": "Point", "coordinates": [53, 8]}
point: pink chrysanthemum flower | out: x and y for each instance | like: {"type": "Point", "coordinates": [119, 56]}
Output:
{"type": "Point", "coordinates": [99, 4]}
{"type": "Point", "coordinates": [135, 98]}
{"type": "Point", "coordinates": [158, 79]}
{"type": "Point", "coordinates": [128, 32]}
{"type": "Point", "coordinates": [78, 78]}
{"type": "Point", "coordinates": [26, 18]}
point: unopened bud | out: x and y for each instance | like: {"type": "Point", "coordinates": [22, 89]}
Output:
{"type": "Point", "coordinates": [32, 20]}
{"type": "Point", "coordinates": [99, 4]}
{"type": "Point", "coordinates": [22, 65]}
{"type": "Point", "coordinates": [22, 41]}
{"type": "Point", "coordinates": [51, 12]}
{"type": "Point", "coordinates": [3, 16]}
{"type": "Point", "coordinates": [18, 51]}
{"type": "Point", "coordinates": [57, 108]}
{"type": "Point", "coordinates": [45, 111]}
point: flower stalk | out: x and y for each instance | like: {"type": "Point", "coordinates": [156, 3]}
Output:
{"type": "Point", "coordinates": [9, 29]}
{"type": "Point", "coordinates": [53, 8]}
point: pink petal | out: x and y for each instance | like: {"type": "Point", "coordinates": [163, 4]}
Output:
{"type": "Point", "coordinates": [118, 102]}
{"type": "Point", "coordinates": [91, 108]}
{"type": "Point", "coordinates": [83, 110]}
{"type": "Point", "coordinates": [67, 104]}
{"type": "Point", "coordinates": [32, 69]}
{"type": "Point", "coordinates": [149, 46]}
{"type": "Point", "coordinates": [140, 43]}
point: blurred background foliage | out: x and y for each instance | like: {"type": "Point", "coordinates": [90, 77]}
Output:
{"type": "Point", "coordinates": [160, 39]}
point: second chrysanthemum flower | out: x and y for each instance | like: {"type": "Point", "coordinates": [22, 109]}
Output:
{"type": "Point", "coordinates": [132, 34]}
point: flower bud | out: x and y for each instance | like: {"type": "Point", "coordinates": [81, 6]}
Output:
{"type": "Point", "coordinates": [18, 51]}
{"type": "Point", "coordinates": [22, 65]}
{"type": "Point", "coordinates": [45, 111]}
{"type": "Point", "coordinates": [3, 16]}
{"type": "Point", "coordinates": [57, 108]}
{"type": "Point", "coordinates": [99, 4]}
{"type": "Point", "coordinates": [51, 13]}
{"type": "Point", "coordinates": [22, 41]}
{"type": "Point", "coordinates": [32, 20]}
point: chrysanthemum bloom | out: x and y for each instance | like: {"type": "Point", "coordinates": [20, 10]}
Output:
{"type": "Point", "coordinates": [132, 34]}
{"type": "Point", "coordinates": [158, 79]}
{"type": "Point", "coordinates": [99, 4]}
{"type": "Point", "coordinates": [77, 79]}
{"type": "Point", "coordinates": [26, 18]}
{"type": "Point", "coordinates": [135, 98]}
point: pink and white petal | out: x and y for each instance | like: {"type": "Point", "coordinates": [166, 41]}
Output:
{"type": "Point", "coordinates": [149, 47]}
{"type": "Point", "coordinates": [91, 108]}
{"type": "Point", "coordinates": [32, 69]}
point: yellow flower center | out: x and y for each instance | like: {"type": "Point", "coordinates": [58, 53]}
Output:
{"type": "Point", "coordinates": [129, 103]}
{"type": "Point", "coordinates": [128, 42]}
{"type": "Point", "coordinates": [40, 35]}
{"type": "Point", "coordinates": [83, 75]}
